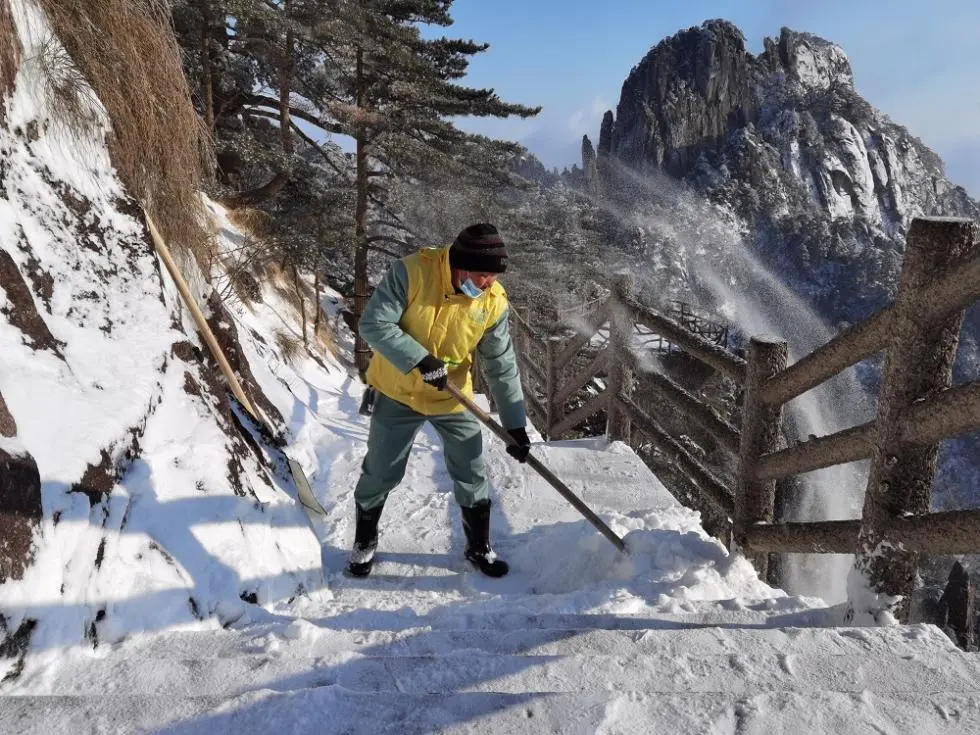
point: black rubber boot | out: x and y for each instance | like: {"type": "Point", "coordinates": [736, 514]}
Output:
{"type": "Point", "coordinates": [476, 525]}
{"type": "Point", "coordinates": [361, 557]}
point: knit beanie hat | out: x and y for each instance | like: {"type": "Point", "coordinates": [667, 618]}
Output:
{"type": "Point", "coordinates": [479, 248]}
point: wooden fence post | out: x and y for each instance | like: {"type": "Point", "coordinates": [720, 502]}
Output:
{"type": "Point", "coordinates": [918, 363]}
{"type": "Point", "coordinates": [620, 361]}
{"type": "Point", "coordinates": [551, 410]}
{"type": "Point", "coordinates": [755, 499]}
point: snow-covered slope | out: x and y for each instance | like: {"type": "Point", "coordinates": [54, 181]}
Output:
{"type": "Point", "coordinates": [677, 637]}
{"type": "Point", "coordinates": [150, 507]}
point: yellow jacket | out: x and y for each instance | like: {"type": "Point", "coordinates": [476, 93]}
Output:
{"type": "Point", "coordinates": [416, 311]}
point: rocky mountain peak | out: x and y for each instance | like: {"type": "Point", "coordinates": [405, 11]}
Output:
{"type": "Point", "coordinates": [689, 89]}
{"type": "Point", "coordinates": [808, 59]}
{"type": "Point", "coordinates": [785, 128]}
{"type": "Point", "coordinates": [692, 90]}
{"type": "Point", "coordinates": [721, 151]}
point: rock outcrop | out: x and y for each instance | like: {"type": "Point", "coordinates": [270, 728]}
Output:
{"type": "Point", "coordinates": [20, 509]}
{"type": "Point", "coordinates": [779, 155]}
{"type": "Point", "coordinates": [126, 479]}
{"type": "Point", "coordinates": [787, 124]}
{"type": "Point", "coordinates": [589, 163]}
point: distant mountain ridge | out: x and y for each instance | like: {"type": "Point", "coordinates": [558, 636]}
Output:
{"type": "Point", "coordinates": [700, 100]}
{"type": "Point", "coordinates": [783, 139]}
{"type": "Point", "coordinates": [818, 184]}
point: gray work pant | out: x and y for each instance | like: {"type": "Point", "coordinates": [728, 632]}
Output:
{"type": "Point", "coordinates": [393, 429]}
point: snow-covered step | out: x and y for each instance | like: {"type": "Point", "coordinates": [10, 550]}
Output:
{"type": "Point", "coordinates": [746, 672]}
{"type": "Point", "coordinates": [696, 615]}
{"type": "Point", "coordinates": [328, 710]}
{"type": "Point", "coordinates": [309, 640]}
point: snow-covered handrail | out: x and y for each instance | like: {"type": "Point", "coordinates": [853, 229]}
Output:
{"type": "Point", "coordinates": [917, 409]}
{"type": "Point", "coordinates": [713, 489]}
{"type": "Point", "coordinates": [705, 350]}
{"type": "Point", "coordinates": [951, 412]}
{"type": "Point", "coordinates": [951, 293]}
{"type": "Point", "coordinates": [854, 344]}
{"type": "Point", "coordinates": [617, 360]}
{"type": "Point", "coordinates": [949, 532]}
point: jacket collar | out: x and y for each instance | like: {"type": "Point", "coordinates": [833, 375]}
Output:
{"type": "Point", "coordinates": [446, 274]}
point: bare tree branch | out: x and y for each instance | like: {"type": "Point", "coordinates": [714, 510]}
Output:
{"type": "Point", "coordinates": [390, 240]}
{"type": "Point", "coordinates": [308, 140]}
{"type": "Point", "coordinates": [258, 195]}
{"type": "Point", "coordinates": [262, 101]}
{"type": "Point", "coordinates": [326, 157]}
{"type": "Point", "coordinates": [376, 249]}
{"type": "Point", "coordinates": [397, 226]}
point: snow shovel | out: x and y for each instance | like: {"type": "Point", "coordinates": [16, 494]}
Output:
{"type": "Point", "coordinates": [303, 491]}
{"type": "Point", "coordinates": [535, 463]}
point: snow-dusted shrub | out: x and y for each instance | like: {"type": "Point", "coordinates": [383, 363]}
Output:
{"type": "Point", "coordinates": [127, 53]}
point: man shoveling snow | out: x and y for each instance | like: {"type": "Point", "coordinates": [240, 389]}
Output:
{"type": "Point", "coordinates": [430, 312]}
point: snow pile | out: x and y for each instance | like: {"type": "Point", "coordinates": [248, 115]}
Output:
{"type": "Point", "coordinates": [670, 558]}
{"type": "Point", "coordinates": [156, 511]}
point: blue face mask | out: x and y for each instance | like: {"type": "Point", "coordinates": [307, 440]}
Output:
{"type": "Point", "coordinates": [470, 289]}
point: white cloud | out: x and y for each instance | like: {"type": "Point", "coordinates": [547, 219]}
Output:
{"type": "Point", "coordinates": [586, 120]}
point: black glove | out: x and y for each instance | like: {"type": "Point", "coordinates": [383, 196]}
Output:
{"type": "Point", "coordinates": [520, 450]}
{"type": "Point", "coordinates": [433, 371]}
{"type": "Point", "coordinates": [368, 401]}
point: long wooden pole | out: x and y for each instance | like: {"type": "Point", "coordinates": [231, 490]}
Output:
{"type": "Point", "coordinates": [538, 467]}
{"type": "Point", "coordinates": [200, 321]}
{"type": "Point", "coordinates": [755, 499]}
{"type": "Point", "coordinates": [303, 490]}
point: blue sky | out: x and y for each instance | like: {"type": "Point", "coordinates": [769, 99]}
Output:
{"type": "Point", "coordinates": [917, 61]}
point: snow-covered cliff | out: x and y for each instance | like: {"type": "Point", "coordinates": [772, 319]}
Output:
{"type": "Point", "coordinates": [740, 162]}
{"type": "Point", "coordinates": [130, 493]}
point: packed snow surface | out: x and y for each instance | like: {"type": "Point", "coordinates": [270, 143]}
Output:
{"type": "Point", "coordinates": [677, 636]}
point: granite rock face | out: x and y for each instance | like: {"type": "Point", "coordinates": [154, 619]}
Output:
{"type": "Point", "coordinates": [20, 509]}
{"type": "Point", "coordinates": [687, 94]}
{"type": "Point", "coordinates": [787, 123]}
{"type": "Point", "coordinates": [782, 157]}
{"type": "Point", "coordinates": [822, 181]}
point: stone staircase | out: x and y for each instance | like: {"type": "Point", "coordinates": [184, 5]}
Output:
{"type": "Point", "coordinates": [509, 673]}
{"type": "Point", "coordinates": [676, 639]}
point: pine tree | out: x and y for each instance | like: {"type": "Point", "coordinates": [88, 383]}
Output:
{"type": "Point", "coordinates": [250, 63]}
{"type": "Point", "coordinates": [395, 93]}
{"type": "Point", "coordinates": [276, 78]}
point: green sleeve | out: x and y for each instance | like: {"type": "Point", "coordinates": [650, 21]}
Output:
{"type": "Point", "coordinates": [379, 325]}
{"type": "Point", "coordinates": [499, 362]}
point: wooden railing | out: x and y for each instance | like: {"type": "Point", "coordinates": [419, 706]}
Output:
{"type": "Point", "coordinates": [605, 347]}
{"type": "Point", "coordinates": [917, 408]}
